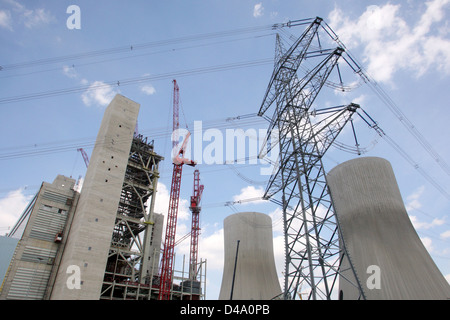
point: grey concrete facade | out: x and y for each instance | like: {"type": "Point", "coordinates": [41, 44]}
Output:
{"type": "Point", "coordinates": [42, 231]}
{"type": "Point", "coordinates": [390, 260]}
{"type": "Point", "coordinates": [256, 276]}
{"type": "Point", "coordinates": [90, 235]}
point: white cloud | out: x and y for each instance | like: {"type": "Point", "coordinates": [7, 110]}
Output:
{"type": "Point", "coordinates": [258, 10]}
{"type": "Point", "coordinates": [412, 204]}
{"type": "Point", "coordinates": [162, 199]}
{"type": "Point", "coordinates": [5, 19]}
{"type": "Point", "coordinates": [413, 199]}
{"type": "Point", "coordinates": [445, 235]}
{"type": "Point", "coordinates": [70, 71]}
{"type": "Point", "coordinates": [447, 277]}
{"type": "Point", "coordinates": [277, 220]}
{"type": "Point", "coordinates": [426, 225]}
{"type": "Point", "coordinates": [390, 44]}
{"type": "Point", "coordinates": [250, 193]}
{"type": "Point", "coordinates": [98, 93]}
{"type": "Point", "coordinates": [11, 207]}
{"type": "Point", "coordinates": [148, 89]}
{"type": "Point", "coordinates": [31, 18]}
{"type": "Point", "coordinates": [15, 5]}
{"type": "Point", "coordinates": [162, 203]}
{"type": "Point", "coordinates": [212, 248]}
{"type": "Point", "coordinates": [35, 18]}
{"type": "Point", "coordinates": [428, 243]}
{"type": "Point", "coordinates": [278, 252]}
{"type": "Point", "coordinates": [162, 207]}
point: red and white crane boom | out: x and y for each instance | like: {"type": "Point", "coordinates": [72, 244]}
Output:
{"type": "Point", "coordinates": [169, 242]}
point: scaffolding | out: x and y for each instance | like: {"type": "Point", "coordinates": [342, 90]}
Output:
{"type": "Point", "coordinates": [133, 238]}
{"type": "Point", "coordinates": [183, 287]}
{"type": "Point", "coordinates": [132, 269]}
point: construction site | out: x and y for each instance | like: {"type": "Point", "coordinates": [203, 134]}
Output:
{"type": "Point", "coordinates": [346, 234]}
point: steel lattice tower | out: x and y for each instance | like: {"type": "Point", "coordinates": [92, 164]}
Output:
{"type": "Point", "coordinates": [195, 228]}
{"type": "Point", "coordinates": [167, 260]}
{"type": "Point", "coordinates": [314, 251]}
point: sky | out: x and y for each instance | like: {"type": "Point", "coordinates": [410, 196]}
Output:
{"type": "Point", "coordinates": [60, 68]}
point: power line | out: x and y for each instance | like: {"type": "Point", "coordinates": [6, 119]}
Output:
{"type": "Point", "coordinates": [131, 81]}
{"type": "Point", "coordinates": [373, 124]}
{"type": "Point", "coordinates": [134, 47]}
{"type": "Point", "coordinates": [392, 106]}
{"type": "Point", "coordinates": [71, 145]}
{"type": "Point", "coordinates": [74, 66]}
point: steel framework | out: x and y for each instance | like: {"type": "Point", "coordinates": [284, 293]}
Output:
{"type": "Point", "coordinates": [85, 156]}
{"type": "Point", "coordinates": [169, 243]}
{"type": "Point", "coordinates": [314, 251]}
{"type": "Point", "coordinates": [167, 260]}
{"type": "Point", "coordinates": [195, 229]}
{"type": "Point", "coordinates": [131, 251]}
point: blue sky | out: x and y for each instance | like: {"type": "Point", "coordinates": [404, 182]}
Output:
{"type": "Point", "coordinates": [228, 47]}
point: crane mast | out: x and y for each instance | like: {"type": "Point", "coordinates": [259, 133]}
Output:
{"type": "Point", "coordinates": [85, 156]}
{"type": "Point", "coordinates": [169, 242]}
{"type": "Point", "coordinates": [195, 229]}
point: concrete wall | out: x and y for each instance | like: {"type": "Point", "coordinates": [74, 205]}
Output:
{"type": "Point", "coordinates": [37, 254]}
{"type": "Point", "coordinates": [378, 232]}
{"type": "Point", "coordinates": [91, 230]}
{"type": "Point", "coordinates": [155, 245]}
{"type": "Point", "coordinates": [256, 275]}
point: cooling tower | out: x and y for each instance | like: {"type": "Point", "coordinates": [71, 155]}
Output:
{"type": "Point", "coordinates": [254, 271]}
{"type": "Point", "coordinates": [389, 258]}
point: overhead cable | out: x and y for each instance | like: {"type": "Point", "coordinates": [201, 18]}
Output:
{"type": "Point", "coordinates": [133, 47]}
{"type": "Point", "coordinates": [372, 124]}
{"type": "Point", "coordinates": [131, 81]}
{"type": "Point", "coordinates": [389, 102]}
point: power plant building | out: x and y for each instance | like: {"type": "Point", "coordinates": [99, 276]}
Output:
{"type": "Point", "coordinates": [41, 230]}
{"type": "Point", "coordinates": [389, 258]}
{"type": "Point", "coordinates": [103, 242]}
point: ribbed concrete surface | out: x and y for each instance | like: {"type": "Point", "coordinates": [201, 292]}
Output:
{"type": "Point", "coordinates": [256, 276]}
{"type": "Point", "coordinates": [378, 232]}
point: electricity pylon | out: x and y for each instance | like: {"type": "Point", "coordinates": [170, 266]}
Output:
{"type": "Point", "coordinates": [314, 250]}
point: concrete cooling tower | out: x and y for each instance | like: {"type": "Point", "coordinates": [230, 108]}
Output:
{"type": "Point", "coordinates": [389, 258]}
{"type": "Point", "coordinates": [255, 276]}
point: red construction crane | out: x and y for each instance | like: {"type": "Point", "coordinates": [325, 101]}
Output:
{"type": "Point", "coordinates": [195, 230]}
{"type": "Point", "coordinates": [169, 242]}
{"type": "Point", "coordinates": [85, 156]}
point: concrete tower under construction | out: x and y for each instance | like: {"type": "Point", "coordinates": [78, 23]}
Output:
{"type": "Point", "coordinates": [111, 212]}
